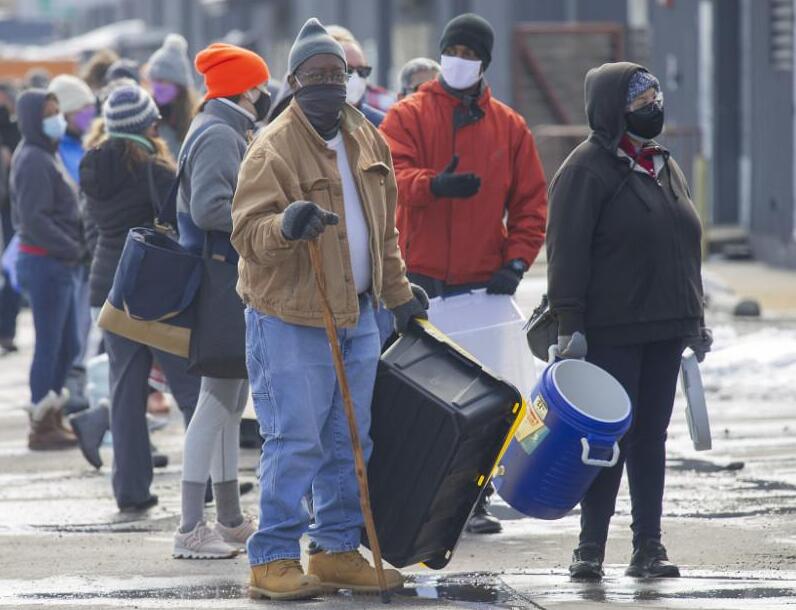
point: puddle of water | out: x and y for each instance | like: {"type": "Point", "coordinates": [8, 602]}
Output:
{"type": "Point", "coordinates": [466, 588]}
{"type": "Point", "coordinates": [698, 590]}
{"type": "Point", "coordinates": [200, 592]}
{"type": "Point", "coordinates": [479, 590]}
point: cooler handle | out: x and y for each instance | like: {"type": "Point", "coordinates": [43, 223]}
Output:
{"type": "Point", "coordinates": [584, 456]}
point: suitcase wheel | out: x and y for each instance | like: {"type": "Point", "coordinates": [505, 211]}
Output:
{"type": "Point", "coordinates": [438, 562]}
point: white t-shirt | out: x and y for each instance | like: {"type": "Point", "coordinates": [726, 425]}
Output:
{"type": "Point", "coordinates": [355, 221]}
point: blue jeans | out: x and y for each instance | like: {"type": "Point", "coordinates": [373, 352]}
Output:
{"type": "Point", "coordinates": [307, 444]}
{"type": "Point", "coordinates": [50, 288]}
{"type": "Point", "coordinates": [9, 298]}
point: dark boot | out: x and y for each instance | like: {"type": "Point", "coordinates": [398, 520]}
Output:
{"type": "Point", "coordinates": [90, 427]}
{"type": "Point", "coordinates": [587, 562]}
{"type": "Point", "coordinates": [482, 521]}
{"type": "Point", "coordinates": [142, 506]}
{"type": "Point", "coordinates": [47, 434]}
{"type": "Point", "coordinates": [650, 560]}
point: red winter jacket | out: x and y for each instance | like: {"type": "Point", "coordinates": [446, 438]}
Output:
{"type": "Point", "coordinates": [462, 241]}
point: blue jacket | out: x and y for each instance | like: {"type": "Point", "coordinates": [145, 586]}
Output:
{"type": "Point", "coordinates": [374, 115]}
{"type": "Point", "coordinates": [71, 152]}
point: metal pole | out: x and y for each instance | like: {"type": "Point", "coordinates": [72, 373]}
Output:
{"type": "Point", "coordinates": [385, 42]}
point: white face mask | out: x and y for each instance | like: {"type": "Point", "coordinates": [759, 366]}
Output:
{"type": "Point", "coordinates": [54, 127]}
{"type": "Point", "coordinates": [460, 73]}
{"type": "Point", "coordinates": [355, 89]}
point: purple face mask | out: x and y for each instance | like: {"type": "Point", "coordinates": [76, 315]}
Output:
{"type": "Point", "coordinates": [83, 118]}
{"type": "Point", "coordinates": [164, 93]}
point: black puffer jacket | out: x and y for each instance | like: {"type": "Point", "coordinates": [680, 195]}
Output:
{"type": "Point", "coordinates": [623, 249]}
{"type": "Point", "coordinates": [118, 199]}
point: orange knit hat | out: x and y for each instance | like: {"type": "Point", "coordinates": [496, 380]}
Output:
{"type": "Point", "coordinates": [230, 70]}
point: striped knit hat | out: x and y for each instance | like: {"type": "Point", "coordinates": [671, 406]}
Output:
{"type": "Point", "coordinates": [129, 109]}
{"type": "Point", "coordinates": [639, 83]}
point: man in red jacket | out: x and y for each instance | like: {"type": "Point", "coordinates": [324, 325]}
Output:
{"type": "Point", "coordinates": [472, 198]}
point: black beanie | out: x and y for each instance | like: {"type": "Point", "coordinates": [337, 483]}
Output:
{"type": "Point", "coordinates": [471, 31]}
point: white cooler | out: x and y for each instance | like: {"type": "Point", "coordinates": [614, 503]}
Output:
{"type": "Point", "coordinates": [490, 327]}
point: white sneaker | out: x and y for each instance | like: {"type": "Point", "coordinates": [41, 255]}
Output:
{"type": "Point", "coordinates": [201, 543]}
{"type": "Point", "coordinates": [237, 536]}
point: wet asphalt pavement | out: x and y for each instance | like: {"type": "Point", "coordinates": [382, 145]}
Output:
{"type": "Point", "coordinates": [728, 517]}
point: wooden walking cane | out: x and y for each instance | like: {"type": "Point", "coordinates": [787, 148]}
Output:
{"type": "Point", "coordinates": [342, 379]}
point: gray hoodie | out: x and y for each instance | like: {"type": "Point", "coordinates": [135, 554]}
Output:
{"type": "Point", "coordinates": [44, 204]}
{"type": "Point", "coordinates": [211, 172]}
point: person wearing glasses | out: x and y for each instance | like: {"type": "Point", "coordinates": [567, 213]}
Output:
{"type": "Point", "coordinates": [359, 72]}
{"type": "Point", "coordinates": [319, 171]}
{"type": "Point", "coordinates": [472, 198]}
{"type": "Point", "coordinates": [414, 73]}
{"type": "Point", "coordinates": [624, 281]}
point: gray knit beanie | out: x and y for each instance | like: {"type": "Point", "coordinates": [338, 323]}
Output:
{"type": "Point", "coordinates": [129, 109]}
{"type": "Point", "coordinates": [639, 83]}
{"type": "Point", "coordinates": [171, 63]}
{"type": "Point", "coordinates": [313, 39]}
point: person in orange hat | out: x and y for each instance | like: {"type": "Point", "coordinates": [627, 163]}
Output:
{"type": "Point", "coordinates": [213, 150]}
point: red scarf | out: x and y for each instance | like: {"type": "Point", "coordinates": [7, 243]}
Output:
{"type": "Point", "coordinates": [644, 156]}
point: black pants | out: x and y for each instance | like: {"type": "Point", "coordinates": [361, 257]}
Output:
{"type": "Point", "coordinates": [648, 372]}
{"type": "Point", "coordinates": [130, 363]}
{"type": "Point", "coordinates": [9, 298]}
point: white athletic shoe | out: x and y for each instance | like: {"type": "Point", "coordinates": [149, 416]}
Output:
{"type": "Point", "coordinates": [201, 543]}
{"type": "Point", "coordinates": [237, 536]}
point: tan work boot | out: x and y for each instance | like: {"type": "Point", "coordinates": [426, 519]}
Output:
{"type": "Point", "coordinates": [46, 434]}
{"type": "Point", "coordinates": [350, 570]}
{"type": "Point", "coordinates": [282, 579]}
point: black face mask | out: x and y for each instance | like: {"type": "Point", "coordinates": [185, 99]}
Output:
{"type": "Point", "coordinates": [646, 122]}
{"type": "Point", "coordinates": [321, 104]}
{"type": "Point", "coordinates": [262, 106]}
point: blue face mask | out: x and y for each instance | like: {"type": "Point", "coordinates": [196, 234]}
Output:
{"type": "Point", "coordinates": [54, 127]}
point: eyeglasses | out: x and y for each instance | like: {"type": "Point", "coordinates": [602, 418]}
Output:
{"type": "Point", "coordinates": [363, 71]}
{"type": "Point", "coordinates": [318, 77]}
{"type": "Point", "coordinates": [645, 100]}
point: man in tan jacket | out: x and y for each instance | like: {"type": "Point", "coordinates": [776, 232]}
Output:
{"type": "Point", "coordinates": [319, 171]}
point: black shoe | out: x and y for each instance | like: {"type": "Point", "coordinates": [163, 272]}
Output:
{"type": "Point", "coordinates": [482, 521]}
{"type": "Point", "coordinates": [160, 460]}
{"type": "Point", "coordinates": [90, 427]}
{"type": "Point", "coordinates": [650, 560]}
{"type": "Point", "coordinates": [587, 562]}
{"type": "Point", "coordinates": [243, 489]}
{"type": "Point", "coordinates": [76, 404]}
{"type": "Point", "coordinates": [139, 507]}
{"type": "Point", "coordinates": [7, 346]}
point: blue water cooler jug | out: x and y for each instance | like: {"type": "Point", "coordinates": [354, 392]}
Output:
{"type": "Point", "coordinates": [576, 415]}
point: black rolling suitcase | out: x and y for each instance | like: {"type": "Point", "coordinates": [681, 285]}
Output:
{"type": "Point", "coordinates": [440, 422]}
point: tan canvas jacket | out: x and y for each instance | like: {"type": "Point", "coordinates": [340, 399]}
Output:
{"type": "Point", "coordinates": [287, 162]}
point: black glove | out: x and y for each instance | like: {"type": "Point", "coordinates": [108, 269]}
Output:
{"type": "Point", "coordinates": [420, 295]}
{"type": "Point", "coordinates": [505, 280]}
{"type": "Point", "coordinates": [306, 220]}
{"type": "Point", "coordinates": [701, 344]}
{"type": "Point", "coordinates": [448, 184]}
{"type": "Point", "coordinates": [416, 308]}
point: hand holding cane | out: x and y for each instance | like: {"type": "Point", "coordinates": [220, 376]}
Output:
{"type": "Point", "coordinates": [359, 458]}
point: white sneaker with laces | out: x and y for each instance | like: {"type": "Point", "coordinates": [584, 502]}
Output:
{"type": "Point", "coordinates": [237, 536]}
{"type": "Point", "coordinates": [201, 543]}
